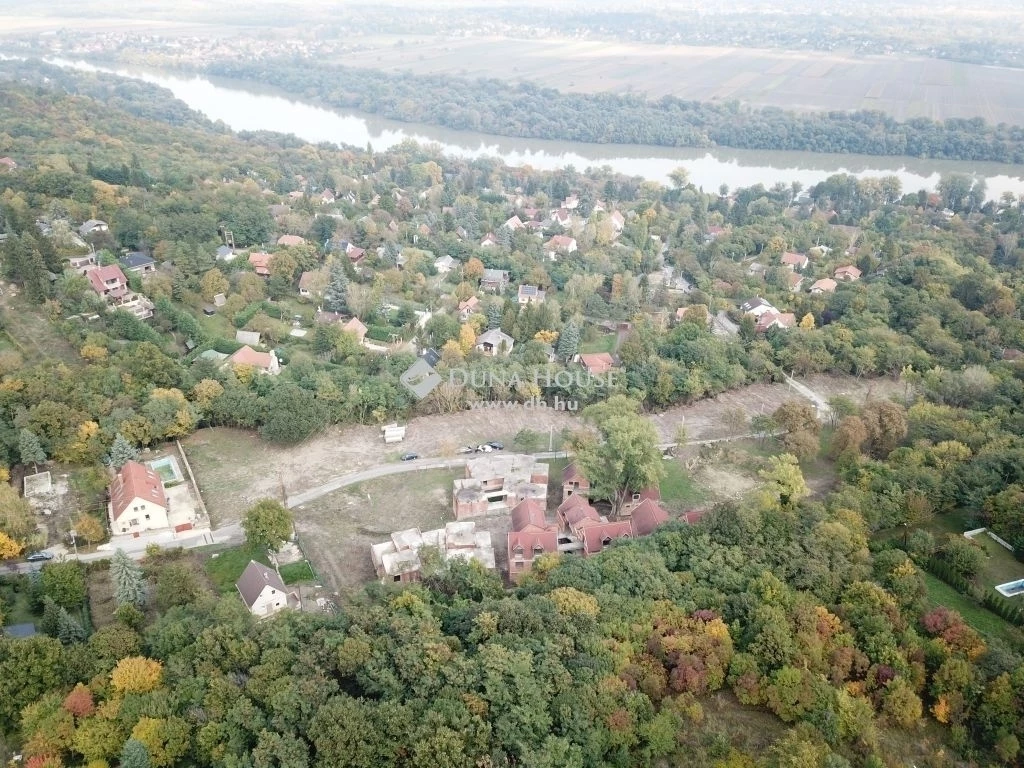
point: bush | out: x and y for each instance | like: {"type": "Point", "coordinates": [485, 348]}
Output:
{"type": "Point", "coordinates": [964, 556]}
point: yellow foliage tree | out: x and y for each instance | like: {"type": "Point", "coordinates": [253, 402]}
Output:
{"type": "Point", "coordinates": [940, 709]}
{"type": "Point", "coordinates": [93, 353]}
{"type": "Point", "coordinates": [807, 322]}
{"type": "Point", "coordinates": [89, 528]}
{"type": "Point", "coordinates": [9, 548]}
{"type": "Point", "coordinates": [546, 337]}
{"type": "Point", "coordinates": [571, 602]}
{"type": "Point", "coordinates": [136, 674]}
{"type": "Point", "coordinates": [451, 353]}
{"type": "Point", "coordinates": [87, 445]}
{"type": "Point", "coordinates": [467, 338]}
{"type": "Point", "coordinates": [213, 282]}
{"type": "Point", "coordinates": [244, 373]}
{"type": "Point", "coordinates": [206, 391]}
{"type": "Point", "coordinates": [474, 269]}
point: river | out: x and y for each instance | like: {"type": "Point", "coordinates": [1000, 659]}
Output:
{"type": "Point", "coordinates": [245, 106]}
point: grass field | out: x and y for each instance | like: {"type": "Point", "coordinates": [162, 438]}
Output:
{"type": "Point", "coordinates": [30, 333]}
{"type": "Point", "coordinates": [982, 620]}
{"type": "Point", "coordinates": [604, 343]}
{"type": "Point", "coordinates": [678, 488]}
{"type": "Point", "coordinates": [802, 80]}
{"type": "Point", "coordinates": [226, 566]}
{"type": "Point", "coordinates": [293, 573]}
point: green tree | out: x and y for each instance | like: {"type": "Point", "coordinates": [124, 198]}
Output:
{"type": "Point", "coordinates": [292, 414]}
{"type": "Point", "coordinates": [625, 457]}
{"type": "Point", "coordinates": [785, 484]}
{"type": "Point", "coordinates": [568, 340]}
{"type": "Point", "coordinates": [336, 292]}
{"type": "Point", "coordinates": [64, 583]}
{"type": "Point", "coordinates": [493, 315]}
{"type": "Point", "coordinates": [30, 449]}
{"type": "Point", "coordinates": [128, 580]}
{"type": "Point", "coordinates": [69, 631]}
{"type": "Point", "coordinates": [135, 755]}
{"type": "Point", "coordinates": [176, 584]}
{"type": "Point", "coordinates": [267, 524]}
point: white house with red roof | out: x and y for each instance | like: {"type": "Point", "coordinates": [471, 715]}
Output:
{"type": "Point", "coordinates": [263, 362]}
{"type": "Point", "coordinates": [847, 273]}
{"type": "Point", "coordinates": [260, 263]}
{"type": "Point", "coordinates": [110, 284]}
{"type": "Point", "coordinates": [794, 260]}
{"type": "Point", "coordinates": [137, 501]}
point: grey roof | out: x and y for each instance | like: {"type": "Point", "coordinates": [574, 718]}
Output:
{"type": "Point", "coordinates": [20, 630]}
{"type": "Point", "coordinates": [136, 259]}
{"type": "Point", "coordinates": [431, 356]}
{"type": "Point", "coordinates": [494, 276]}
{"type": "Point", "coordinates": [254, 578]}
{"type": "Point", "coordinates": [90, 225]}
{"type": "Point", "coordinates": [495, 337]}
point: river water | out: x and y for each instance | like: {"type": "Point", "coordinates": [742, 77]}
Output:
{"type": "Point", "coordinates": [246, 106]}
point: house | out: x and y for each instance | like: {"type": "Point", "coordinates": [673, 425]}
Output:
{"type": "Point", "coordinates": [573, 481]}
{"type": "Point", "coordinates": [531, 536]}
{"type": "Point", "coordinates": [794, 260]}
{"type": "Point", "coordinates": [138, 262]}
{"type": "Point", "coordinates": [356, 327]}
{"type": "Point", "coordinates": [289, 240]}
{"type": "Point", "coordinates": [311, 283]}
{"type": "Point", "coordinates": [355, 253]}
{"type": "Point", "coordinates": [793, 281]}
{"type": "Point", "coordinates": [574, 514]}
{"type": "Point", "coordinates": [110, 284]}
{"type": "Point", "coordinates": [530, 294]}
{"type": "Point", "coordinates": [776, 319]}
{"type": "Point", "coordinates": [263, 591]}
{"type": "Point", "coordinates": [7, 164]}
{"type": "Point", "coordinates": [647, 516]}
{"type": "Point", "coordinates": [756, 269]}
{"type": "Point", "coordinates": [488, 240]}
{"type": "Point", "coordinates": [494, 280]}
{"type": "Point", "coordinates": [225, 253]}
{"type": "Point", "coordinates": [825, 285]}
{"type": "Point", "coordinates": [617, 220]}
{"type": "Point", "coordinates": [560, 244]}
{"type": "Point", "coordinates": [468, 307]}
{"type": "Point", "coordinates": [713, 234]}
{"type": "Point", "coordinates": [571, 203]}
{"type": "Point", "coordinates": [494, 342]}
{"type": "Point", "coordinates": [513, 224]}
{"type": "Point", "coordinates": [596, 362]}
{"type": "Point", "coordinates": [137, 501]}
{"type": "Point", "coordinates": [260, 263]}
{"type": "Point", "coordinates": [263, 362]}
{"type": "Point", "coordinates": [562, 218]}
{"type": "Point", "coordinates": [847, 273]}
{"type": "Point", "coordinates": [252, 338]}
{"type": "Point", "coordinates": [756, 307]}
{"type": "Point", "coordinates": [398, 560]}
{"type": "Point", "coordinates": [327, 197]}
{"type": "Point", "coordinates": [92, 226]}
{"type": "Point", "coordinates": [82, 264]}
{"type": "Point", "coordinates": [496, 483]}
{"type": "Point", "coordinates": [445, 264]}
{"type": "Point", "coordinates": [597, 537]}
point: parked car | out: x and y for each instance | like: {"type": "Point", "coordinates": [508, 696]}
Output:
{"type": "Point", "coordinates": [484, 448]}
{"type": "Point", "coordinates": [496, 445]}
{"type": "Point", "coordinates": [410, 456]}
{"type": "Point", "coordinates": [34, 557]}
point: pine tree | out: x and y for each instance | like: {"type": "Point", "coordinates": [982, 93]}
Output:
{"type": "Point", "coordinates": [50, 623]}
{"type": "Point", "coordinates": [121, 452]}
{"type": "Point", "coordinates": [568, 340]}
{"type": "Point", "coordinates": [69, 631]}
{"type": "Point", "coordinates": [493, 315]}
{"type": "Point", "coordinates": [128, 580]}
{"type": "Point", "coordinates": [135, 755]}
{"type": "Point", "coordinates": [336, 292]}
{"type": "Point", "coordinates": [30, 448]}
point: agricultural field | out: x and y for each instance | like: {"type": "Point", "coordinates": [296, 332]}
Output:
{"type": "Point", "coordinates": [901, 87]}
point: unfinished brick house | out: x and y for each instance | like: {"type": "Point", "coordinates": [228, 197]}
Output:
{"type": "Point", "coordinates": [398, 560]}
{"type": "Point", "coordinates": [494, 484]}
{"type": "Point", "coordinates": [573, 481]}
{"type": "Point", "coordinates": [531, 536]}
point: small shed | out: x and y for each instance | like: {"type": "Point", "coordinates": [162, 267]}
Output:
{"type": "Point", "coordinates": [252, 338]}
{"type": "Point", "coordinates": [393, 433]}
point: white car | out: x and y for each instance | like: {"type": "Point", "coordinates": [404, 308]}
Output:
{"type": "Point", "coordinates": [484, 448]}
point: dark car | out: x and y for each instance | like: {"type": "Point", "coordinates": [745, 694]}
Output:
{"type": "Point", "coordinates": [496, 445]}
{"type": "Point", "coordinates": [410, 456]}
{"type": "Point", "coordinates": [34, 557]}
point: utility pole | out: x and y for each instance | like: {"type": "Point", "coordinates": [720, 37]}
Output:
{"type": "Point", "coordinates": [74, 542]}
{"type": "Point", "coordinates": [551, 437]}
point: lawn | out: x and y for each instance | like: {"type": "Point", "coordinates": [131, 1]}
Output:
{"type": "Point", "coordinates": [31, 333]}
{"type": "Point", "coordinates": [604, 343]}
{"type": "Point", "coordinates": [226, 566]}
{"type": "Point", "coordinates": [678, 488]}
{"type": "Point", "coordinates": [293, 573]}
{"type": "Point", "coordinates": [982, 620]}
{"type": "Point", "coordinates": [15, 603]}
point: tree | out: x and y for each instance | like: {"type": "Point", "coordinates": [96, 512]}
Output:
{"type": "Point", "coordinates": [568, 340]}
{"type": "Point", "coordinates": [901, 704]}
{"type": "Point", "coordinates": [30, 449]}
{"type": "Point", "coordinates": [135, 755]}
{"type": "Point", "coordinates": [69, 631]}
{"type": "Point", "coordinates": [128, 580]}
{"type": "Point", "coordinates": [886, 423]}
{"type": "Point", "coordinates": [785, 484]}
{"type": "Point", "coordinates": [292, 414]}
{"type": "Point", "coordinates": [64, 583]}
{"type": "Point", "coordinates": [121, 452]}
{"type": "Point", "coordinates": [473, 269]}
{"type": "Point", "coordinates": [136, 674]}
{"type": "Point", "coordinates": [165, 739]}
{"type": "Point", "coordinates": [79, 702]}
{"type": "Point", "coordinates": [807, 322]}
{"type": "Point", "coordinates": [89, 528]}
{"type": "Point", "coordinates": [848, 436]}
{"type": "Point", "coordinates": [268, 524]}
{"type": "Point", "coordinates": [336, 292]}
{"type": "Point", "coordinates": [175, 585]}
{"type": "Point", "coordinates": [9, 548]}
{"type": "Point", "coordinates": [625, 458]}
{"type": "Point", "coordinates": [213, 282]}
{"type": "Point", "coordinates": [493, 315]}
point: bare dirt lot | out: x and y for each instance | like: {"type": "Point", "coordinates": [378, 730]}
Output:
{"type": "Point", "coordinates": [803, 80]}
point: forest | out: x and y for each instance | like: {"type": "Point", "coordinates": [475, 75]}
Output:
{"type": "Point", "coordinates": [529, 110]}
{"type": "Point", "coordinates": [785, 629]}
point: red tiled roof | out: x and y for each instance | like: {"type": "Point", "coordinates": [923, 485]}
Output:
{"type": "Point", "coordinates": [533, 543]}
{"type": "Point", "coordinates": [100, 275]}
{"type": "Point", "coordinates": [694, 516]}
{"type": "Point", "coordinates": [594, 536]}
{"type": "Point", "coordinates": [571, 473]}
{"type": "Point", "coordinates": [260, 262]}
{"type": "Point", "coordinates": [249, 356]}
{"type": "Point", "coordinates": [135, 481]}
{"type": "Point", "coordinates": [597, 362]}
{"type": "Point", "coordinates": [528, 513]}
{"type": "Point", "coordinates": [647, 516]}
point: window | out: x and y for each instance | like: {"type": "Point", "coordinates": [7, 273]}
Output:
{"type": "Point", "coordinates": [396, 578]}
{"type": "Point", "coordinates": [133, 522]}
{"type": "Point", "coordinates": [147, 517]}
{"type": "Point", "coordinates": [606, 541]}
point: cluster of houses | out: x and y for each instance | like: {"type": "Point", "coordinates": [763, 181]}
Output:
{"type": "Point", "coordinates": [108, 281]}
{"type": "Point", "coordinates": [517, 485]}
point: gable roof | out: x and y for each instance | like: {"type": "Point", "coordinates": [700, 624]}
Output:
{"type": "Point", "coordinates": [260, 262]}
{"type": "Point", "coordinates": [136, 259]}
{"type": "Point", "coordinates": [597, 362]}
{"type": "Point", "coordinates": [97, 277]}
{"type": "Point", "coordinates": [135, 481]}
{"type": "Point", "coordinates": [494, 276]}
{"type": "Point", "coordinates": [290, 240]}
{"type": "Point", "coordinates": [848, 271]}
{"type": "Point", "coordinates": [791, 259]}
{"type": "Point", "coordinates": [471, 303]}
{"type": "Point", "coordinates": [254, 579]}
{"type": "Point", "coordinates": [594, 536]}
{"type": "Point", "coordinates": [826, 284]}
{"type": "Point", "coordinates": [576, 509]}
{"type": "Point", "coordinates": [528, 513]}
{"type": "Point", "coordinates": [249, 356]}
{"type": "Point", "coordinates": [355, 325]}
{"type": "Point", "coordinates": [646, 516]}
{"type": "Point", "coordinates": [754, 304]}
{"type": "Point", "coordinates": [572, 473]}
{"type": "Point", "coordinates": [495, 337]}
{"type": "Point", "coordinates": [533, 543]}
